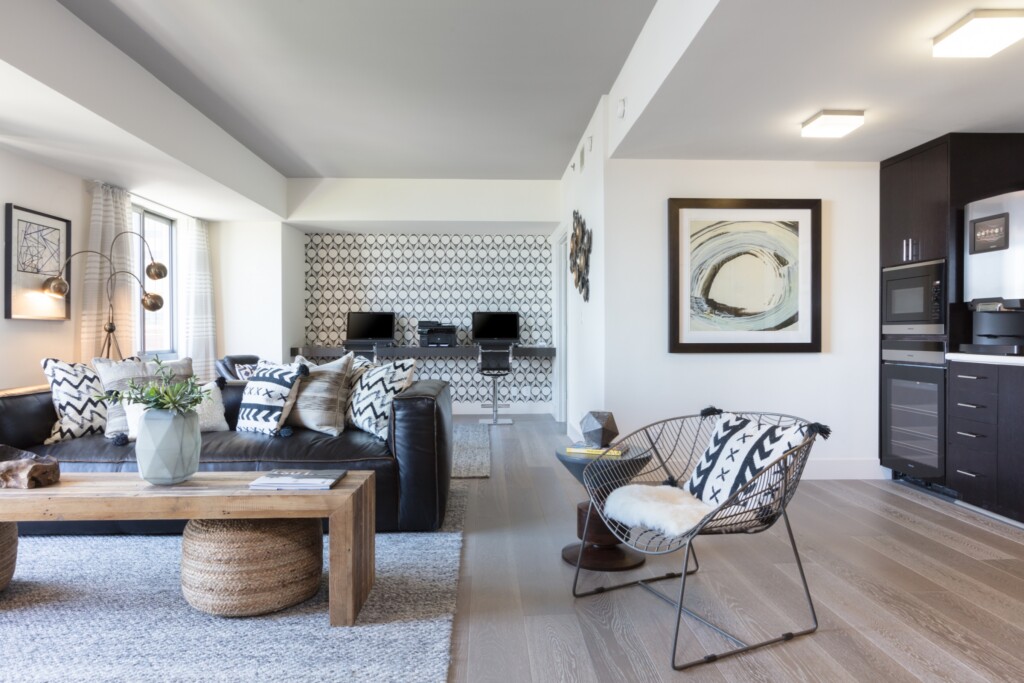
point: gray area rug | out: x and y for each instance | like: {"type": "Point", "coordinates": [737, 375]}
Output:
{"type": "Point", "coordinates": [91, 608]}
{"type": "Point", "coordinates": [471, 457]}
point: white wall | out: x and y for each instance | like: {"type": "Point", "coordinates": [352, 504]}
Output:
{"type": "Point", "coordinates": [26, 342]}
{"type": "Point", "coordinates": [583, 190]}
{"type": "Point", "coordinates": [839, 386]}
{"type": "Point", "coordinates": [247, 263]}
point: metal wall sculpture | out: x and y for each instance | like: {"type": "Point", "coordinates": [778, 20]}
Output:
{"type": "Point", "coordinates": [579, 254]}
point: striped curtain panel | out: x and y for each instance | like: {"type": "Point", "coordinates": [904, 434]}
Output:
{"type": "Point", "coordinates": [197, 321]}
{"type": "Point", "coordinates": [111, 215]}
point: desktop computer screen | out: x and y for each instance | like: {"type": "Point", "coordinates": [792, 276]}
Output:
{"type": "Point", "coordinates": [370, 327]}
{"type": "Point", "coordinates": [492, 326]}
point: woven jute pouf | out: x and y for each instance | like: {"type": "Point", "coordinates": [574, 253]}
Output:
{"type": "Point", "coordinates": [244, 567]}
{"type": "Point", "coordinates": [8, 551]}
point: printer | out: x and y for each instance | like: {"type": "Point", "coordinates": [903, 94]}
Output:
{"type": "Point", "coordinates": [434, 333]}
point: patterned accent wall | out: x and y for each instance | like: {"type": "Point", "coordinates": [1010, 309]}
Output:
{"type": "Point", "coordinates": [443, 278]}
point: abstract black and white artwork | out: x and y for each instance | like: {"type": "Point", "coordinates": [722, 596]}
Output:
{"type": "Point", "coordinates": [745, 275]}
{"type": "Point", "coordinates": [36, 247]}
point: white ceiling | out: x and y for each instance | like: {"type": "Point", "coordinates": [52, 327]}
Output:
{"type": "Point", "coordinates": [758, 69]}
{"type": "Point", "coordinates": [381, 89]}
{"type": "Point", "coordinates": [499, 89]}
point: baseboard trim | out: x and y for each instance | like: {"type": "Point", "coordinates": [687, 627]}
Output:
{"type": "Point", "coordinates": [541, 408]}
{"type": "Point", "coordinates": [845, 468]}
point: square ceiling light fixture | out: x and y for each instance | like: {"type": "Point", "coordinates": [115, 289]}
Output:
{"type": "Point", "coordinates": [832, 123]}
{"type": "Point", "coordinates": [981, 33]}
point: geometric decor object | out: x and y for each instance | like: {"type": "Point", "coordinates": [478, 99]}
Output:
{"type": "Point", "coordinates": [245, 567]}
{"type": "Point", "coordinates": [580, 243]}
{"type": "Point", "coordinates": [598, 428]}
{"type": "Point", "coordinates": [167, 447]}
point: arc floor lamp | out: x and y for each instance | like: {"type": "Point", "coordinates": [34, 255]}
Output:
{"type": "Point", "coordinates": [58, 287]}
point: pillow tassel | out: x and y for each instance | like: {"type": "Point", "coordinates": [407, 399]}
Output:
{"type": "Point", "coordinates": [710, 411]}
{"type": "Point", "coordinates": [818, 428]}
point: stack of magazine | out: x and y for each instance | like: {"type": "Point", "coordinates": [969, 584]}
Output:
{"type": "Point", "coordinates": [582, 449]}
{"type": "Point", "coordinates": [297, 480]}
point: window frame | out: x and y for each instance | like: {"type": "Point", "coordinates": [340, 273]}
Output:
{"type": "Point", "coordinates": [170, 303]}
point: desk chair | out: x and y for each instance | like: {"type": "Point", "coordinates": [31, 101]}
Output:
{"type": "Point", "coordinates": [495, 362]}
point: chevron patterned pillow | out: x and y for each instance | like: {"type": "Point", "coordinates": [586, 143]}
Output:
{"type": "Point", "coordinates": [268, 396]}
{"type": "Point", "coordinates": [738, 450]}
{"type": "Point", "coordinates": [74, 387]}
{"type": "Point", "coordinates": [370, 407]}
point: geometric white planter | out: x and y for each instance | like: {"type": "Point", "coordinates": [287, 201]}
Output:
{"type": "Point", "coordinates": [167, 446]}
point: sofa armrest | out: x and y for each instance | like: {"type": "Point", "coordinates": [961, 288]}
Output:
{"type": "Point", "coordinates": [26, 416]}
{"type": "Point", "coordinates": [420, 435]}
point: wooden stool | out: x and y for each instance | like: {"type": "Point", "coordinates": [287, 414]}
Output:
{"type": "Point", "coordinates": [8, 551]}
{"type": "Point", "coordinates": [245, 567]}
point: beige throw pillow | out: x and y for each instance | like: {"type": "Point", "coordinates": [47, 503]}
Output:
{"type": "Point", "coordinates": [210, 411]}
{"type": "Point", "coordinates": [116, 375]}
{"type": "Point", "coordinates": [322, 396]}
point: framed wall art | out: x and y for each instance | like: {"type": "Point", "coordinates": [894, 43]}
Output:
{"type": "Point", "coordinates": [744, 275]}
{"type": "Point", "coordinates": [36, 246]}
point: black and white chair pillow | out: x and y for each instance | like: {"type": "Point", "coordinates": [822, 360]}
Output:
{"type": "Point", "coordinates": [74, 388]}
{"type": "Point", "coordinates": [268, 397]}
{"type": "Point", "coordinates": [738, 450]}
{"type": "Point", "coordinates": [370, 406]}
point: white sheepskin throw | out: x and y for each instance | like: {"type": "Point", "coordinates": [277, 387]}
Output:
{"type": "Point", "coordinates": [668, 509]}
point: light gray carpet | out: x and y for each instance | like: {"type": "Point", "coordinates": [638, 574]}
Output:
{"type": "Point", "coordinates": [471, 457]}
{"type": "Point", "coordinates": [110, 609]}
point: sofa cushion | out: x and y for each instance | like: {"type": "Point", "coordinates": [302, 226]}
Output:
{"type": "Point", "coordinates": [377, 387]}
{"type": "Point", "coordinates": [268, 396]}
{"type": "Point", "coordinates": [118, 375]}
{"type": "Point", "coordinates": [74, 388]}
{"type": "Point", "coordinates": [322, 396]}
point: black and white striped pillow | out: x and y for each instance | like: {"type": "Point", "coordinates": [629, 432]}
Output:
{"type": "Point", "coordinates": [370, 407]}
{"type": "Point", "coordinates": [74, 388]}
{"type": "Point", "coordinates": [268, 397]}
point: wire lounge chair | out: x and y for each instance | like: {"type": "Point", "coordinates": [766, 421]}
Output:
{"type": "Point", "coordinates": [665, 454]}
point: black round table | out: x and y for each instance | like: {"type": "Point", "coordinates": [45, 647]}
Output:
{"type": "Point", "coordinates": [601, 549]}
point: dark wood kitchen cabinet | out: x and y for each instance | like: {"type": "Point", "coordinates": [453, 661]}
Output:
{"type": "Point", "coordinates": [915, 205]}
{"type": "Point", "coordinates": [922, 193]}
{"type": "Point", "coordinates": [985, 436]}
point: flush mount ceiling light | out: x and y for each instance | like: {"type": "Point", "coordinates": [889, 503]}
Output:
{"type": "Point", "coordinates": [832, 123]}
{"type": "Point", "coordinates": [981, 33]}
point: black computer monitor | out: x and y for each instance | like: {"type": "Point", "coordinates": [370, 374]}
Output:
{"type": "Point", "coordinates": [494, 327]}
{"type": "Point", "coordinates": [364, 326]}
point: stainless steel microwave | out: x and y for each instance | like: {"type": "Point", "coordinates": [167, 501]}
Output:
{"type": "Point", "coordinates": [914, 298]}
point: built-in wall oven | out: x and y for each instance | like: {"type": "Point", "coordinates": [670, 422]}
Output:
{"type": "Point", "coordinates": [914, 299]}
{"type": "Point", "coordinates": [913, 408]}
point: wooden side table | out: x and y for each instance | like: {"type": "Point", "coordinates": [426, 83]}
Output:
{"type": "Point", "coordinates": [601, 549]}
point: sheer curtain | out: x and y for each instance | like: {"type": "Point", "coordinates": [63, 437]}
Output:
{"type": "Point", "coordinates": [197, 320]}
{"type": "Point", "coordinates": [111, 215]}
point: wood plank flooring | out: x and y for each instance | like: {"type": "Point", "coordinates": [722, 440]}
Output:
{"type": "Point", "coordinates": [907, 587]}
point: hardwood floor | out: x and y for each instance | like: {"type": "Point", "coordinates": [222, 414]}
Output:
{"type": "Point", "coordinates": [907, 587]}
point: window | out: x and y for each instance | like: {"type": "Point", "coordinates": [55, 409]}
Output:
{"type": "Point", "coordinates": [156, 330]}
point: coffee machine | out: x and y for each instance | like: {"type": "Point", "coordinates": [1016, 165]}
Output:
{"type": "Point", "coordinates": [994, 274]}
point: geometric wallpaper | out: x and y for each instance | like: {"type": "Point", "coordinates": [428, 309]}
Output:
{"type": "Point", "coordinates": [443, 278]}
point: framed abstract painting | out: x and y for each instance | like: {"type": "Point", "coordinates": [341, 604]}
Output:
{"type": "Point", "coordinates": [36, 246]}
{"type": "Point", "coordinates": [744, 275]}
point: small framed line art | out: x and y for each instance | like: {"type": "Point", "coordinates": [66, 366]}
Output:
{"type": "Point", "coordinates": [744, 275]}
{"type": "Point", "coordinates": [36, 246]}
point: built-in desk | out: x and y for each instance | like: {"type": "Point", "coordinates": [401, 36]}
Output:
{"type": "Point", "coordinates": [441, 352]}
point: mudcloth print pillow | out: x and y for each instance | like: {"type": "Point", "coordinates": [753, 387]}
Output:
{"type": "Point", "coordinates": [322, 396]}
{"type": "Point", "coordinates": [74, 388]}
{"type": "Point", "coordinates": [268, 396]}
{"type": "Point", "coordinates": [371, 400]}
{"type": "Point", "coordinates": [738, 450]}
{"type": "Point", "coordinates": [245, 371]}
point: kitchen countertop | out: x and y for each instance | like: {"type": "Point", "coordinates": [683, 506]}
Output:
{"type": "Point", "coordinates": [981, 358]}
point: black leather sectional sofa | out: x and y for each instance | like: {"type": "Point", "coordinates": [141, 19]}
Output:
{"type": "Point", "coordinates": [413, 465]}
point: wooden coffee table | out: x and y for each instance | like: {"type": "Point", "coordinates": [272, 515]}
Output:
{"type": "Point", "coordinates": [350, 507]}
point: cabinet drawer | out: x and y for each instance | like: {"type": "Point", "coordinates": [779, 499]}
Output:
{"type": "Point", "coordinates": [973, 476]}
{"type": "Point", "coordinates": [974, 405]}
{"type": "Point", "coordinates": [974, 377]}
{"type": "Point", "coordinates": [972, 435]}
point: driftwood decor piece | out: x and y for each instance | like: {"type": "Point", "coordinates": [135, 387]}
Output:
{"type": "Point", "coordinates": [28, 472]}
